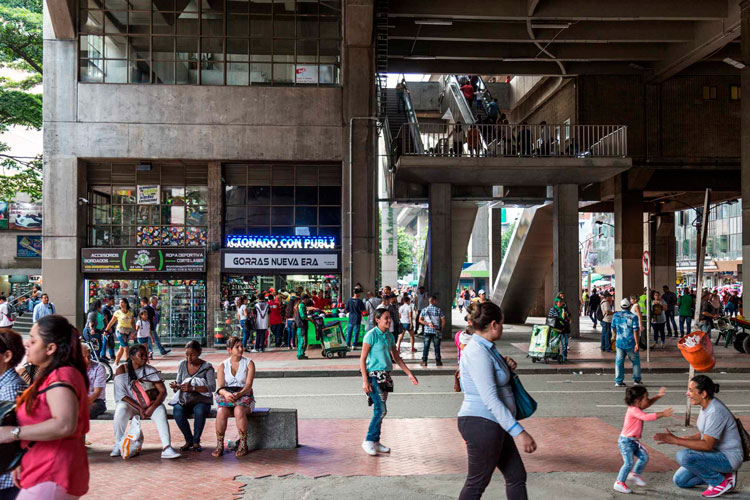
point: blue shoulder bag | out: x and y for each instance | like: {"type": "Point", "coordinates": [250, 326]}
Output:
{"type": "Point", "coordinates": [525, 404]}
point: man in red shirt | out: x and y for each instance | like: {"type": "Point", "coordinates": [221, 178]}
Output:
{"type": "Point", "coordinates": [316, 300]}
{"type": "Point", "coordinates": [276, 322]}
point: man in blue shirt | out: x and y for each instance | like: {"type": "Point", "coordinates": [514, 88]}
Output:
{"type": "Point", "coordinates": [355, 307]}
{"type": "Point", "coordinates": [44, 308]}
{"type": "Point", "coordinates": [433, 320]}
{"type": "Point", "coordinates": [626, 326]}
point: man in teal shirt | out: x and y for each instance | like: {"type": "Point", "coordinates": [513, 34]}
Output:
{"type": "Point", "coordinates": [685, 306]}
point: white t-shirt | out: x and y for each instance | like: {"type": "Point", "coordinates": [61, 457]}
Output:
{"type": "Point", "coordinates": [403, 312]}
{"type": "Point", "coordinates": [242, 311]}
{"type": "Point", "coordinates": [262, 313]}
{"type": "Point", "coordinates": [144, 329]}
{"type": "Point", "coordinates": [5, 315]}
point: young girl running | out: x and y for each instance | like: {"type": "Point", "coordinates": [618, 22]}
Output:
{"type": "Point", "coordinates": [637, 399]}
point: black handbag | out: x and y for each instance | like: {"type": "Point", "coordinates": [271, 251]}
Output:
{"type": "Point", "coordinates": [10, 453]}
{"type": "Point", "coordinates": [744, 439]}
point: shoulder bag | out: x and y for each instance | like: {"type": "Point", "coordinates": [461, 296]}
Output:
{"type": "Point", "coordinates": [525, 404]}
{"type": "Point", "coordinates": [745, 439]}
{"type": "Point", "coordinates": [193, 398]}
{"type": "Point", "coordinates": [144, 391]}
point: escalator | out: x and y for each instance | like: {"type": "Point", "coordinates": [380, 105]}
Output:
{"type": "Point", "coordinates": [396, 119]}
{"type": "Point", "coordinates": [525, 265]}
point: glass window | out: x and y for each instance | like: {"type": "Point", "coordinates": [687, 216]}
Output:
{"type": "Point", "coordinates": [330, 216]}
{"type": "Point", "coordinates": [235, 195]}
{"type": "Point", "coordinates": [306, 195]}
{"type": "Point", "coordinates": [282, 216]}
{"type": "Point", "coordinates": [330, 195]}
{"type": "Point", "coordinates": [258, 216]}
{"type": "Point", "coordinates": [230, 43]}
{"type": "Point", "coordinates": [282, 195]}
{"type": "Point", "coordinates": [258, 195]}
{"type": "Point", "coordinates": [305, 216]}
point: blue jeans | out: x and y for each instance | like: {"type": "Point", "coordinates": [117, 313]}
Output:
{"type": "Point", "coordinates": [199, 411]}
{"type": "Point", "coordinates": [706, 327]}
{"type": "Point", "coordinates": [592, 315]}
{"type": "Point", "coordinates": [620, 364]}
{"type": "Point", "coordinates": [278, 333]}
{"type": "Point", "coordinates": [435, 339]}
{"type": "Point", "coordinates": [564, 337]}
{"type": "Point", "coordinates": [671, 324]}
{"type": "Point", "coordinates": [245, 333]}
{"type": "Point", "coordinates": [291, 333]}
{"type": "Point", "coordinates": [379, 411]}
{"type": "Point", "coordinates": [701, 467]}
{"type": "Point", "coordinates": [352, 330]}
{"type": "Point", "coordinates": [628, 448]}
{"type": "Point", "coordinates": [606, 336]}
{"type": "Point", "coordinates": [683, 320]}
{"type": "Point", "coordinates": [156, 340]}
{"type": "Point", "coordinates": [104, 347]}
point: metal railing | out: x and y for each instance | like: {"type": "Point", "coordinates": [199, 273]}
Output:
{"type": "Point", "coordinates": [454, 100]}
{"type": "Point", "coordinates": [573, 141]}
{"type": "Point", "coordinates": [411, 116]}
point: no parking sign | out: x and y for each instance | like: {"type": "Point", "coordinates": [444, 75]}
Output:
{"type": "Point", "coordinates": [646, 260]}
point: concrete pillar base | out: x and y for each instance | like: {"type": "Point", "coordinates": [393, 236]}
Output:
{"type": "Point", "coordinates": [566, 272]}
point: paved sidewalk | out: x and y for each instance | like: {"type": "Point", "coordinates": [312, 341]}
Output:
{"type": "Point", "coordinates": [332, 447]}
{"type": "Point", "coordinates": [583, 356]}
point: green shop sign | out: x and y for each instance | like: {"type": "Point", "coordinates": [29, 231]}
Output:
{"type": "Point", "coordinates": [143, 260]}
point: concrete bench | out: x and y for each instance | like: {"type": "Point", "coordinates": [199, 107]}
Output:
{"type": "Point", "coordinates": [268, 428]}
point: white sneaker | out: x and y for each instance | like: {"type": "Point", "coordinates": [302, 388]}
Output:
{"type": "Point", "coordinates": [115, 452]}
{"type": "Point", "coordinates": [170, 453]}
{"type": "Point", "coordinates": [637, 479]}
{"type": "Point", "coordinates": [622, 487]}
{"type": "Point", "coordinates": [369, 447]}
{"type": "Point", "coordinates": [382, 448]}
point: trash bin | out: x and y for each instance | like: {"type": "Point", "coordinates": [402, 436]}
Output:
{"type": "Point", "coordinates": [700, 353]}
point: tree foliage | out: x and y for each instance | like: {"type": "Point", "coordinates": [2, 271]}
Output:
{"type": "Point", "coordinates": [406, 244]}
{"type": "Point", "coordinates": [21, 50]}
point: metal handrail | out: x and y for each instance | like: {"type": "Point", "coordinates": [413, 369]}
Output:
{"type": "Point", "coordinates": [17, 299]}
{"type": "Point", "coordinates": [455, 101]}
{"type": "Point", "coordinates": [558, 140]}
{"type": "Point", "coordinates": [411, 116]}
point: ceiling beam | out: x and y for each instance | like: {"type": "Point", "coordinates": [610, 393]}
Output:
{"type": "Point", "coordinates": [62, 17]}
{"type": "Point", "coordinates": [515, 32]}
{"type": "Point", "coordinates": [710, 37]}
{"type": "Point", "coordinates": [635, 10]}
{"type": "Point", "coordinates": [525, 52]}
{"type": "Point", "coordinates": [483, 67]}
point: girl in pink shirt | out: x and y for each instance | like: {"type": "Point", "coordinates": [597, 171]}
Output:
{"type": "Point", "coordinates": [637, 399]}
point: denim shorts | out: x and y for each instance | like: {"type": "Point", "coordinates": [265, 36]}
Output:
{"type": "Point", "coordinates": [405, 327]}
{"type": "Point", "coordinates": [122, 338]}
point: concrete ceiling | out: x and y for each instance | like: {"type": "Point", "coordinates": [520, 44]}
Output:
{"type": "Point", "coordinates": [657, 39]}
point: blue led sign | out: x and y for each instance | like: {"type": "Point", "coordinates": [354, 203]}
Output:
{"type": "Point", "coordinates": [284, 242]}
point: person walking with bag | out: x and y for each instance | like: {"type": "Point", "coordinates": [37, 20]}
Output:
{"type": "Point", "coordinates": [378, 347]}
{"type": "Point", "coordinates": [487, 419]}
{"type": "Point", "coordinates": [195, 384]}
{"type": "Point", "coordinates": [53, 415]}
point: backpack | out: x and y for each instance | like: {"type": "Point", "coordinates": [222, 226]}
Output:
{"type": "Point", "coordinates": [657, 309]}
{"type": "Point", "coordinates": [600, 313]}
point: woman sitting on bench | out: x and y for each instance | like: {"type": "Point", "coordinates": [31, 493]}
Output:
{"type": "Point", "coordinates": [235, 396]}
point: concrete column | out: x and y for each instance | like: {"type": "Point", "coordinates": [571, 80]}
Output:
{"type": "Point", "coordinates": [358, 68]}
{"type": "Point", "coordinates": [566, 275]}
{"type": "Point", "coordinates": [745, 134]}
{"type": "Point", "coordinates": [628, 240]}
{"type": "Point", "coordinates": [64, 234]}
{"type": "Point", "coordinates": [439, 274]}
{"type": "Point", "coordinates": [389, 245]}
{"type": "Point", "coordinates": [479, 245]}
{"type": "Point", "coordinates": [214, 244]}
{"type": "Point", "coordinates": [664, 254]}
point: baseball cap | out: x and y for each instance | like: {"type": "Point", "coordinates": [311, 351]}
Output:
{"type": "Point", "coordinates": [558, 299]}
{"type": "Point", "coordinates": [480, 292]}
{"type": "Point", "coordinates": [625, 303]}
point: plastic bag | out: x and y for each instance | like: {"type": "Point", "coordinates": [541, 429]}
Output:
{"type": "Point", "coordinates": [132, 442]}
{"type": "Point", "coordinates": [698, 350]}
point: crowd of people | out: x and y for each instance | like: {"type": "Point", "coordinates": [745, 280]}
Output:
{"type": "Point", "coordinates": [60, 388]}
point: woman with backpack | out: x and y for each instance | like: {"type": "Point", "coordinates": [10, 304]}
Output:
{"type": "Point", "coordinates": [658, 319]}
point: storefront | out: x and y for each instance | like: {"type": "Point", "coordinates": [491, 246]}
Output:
{"type": "Point", "coordinates": [176, 276]}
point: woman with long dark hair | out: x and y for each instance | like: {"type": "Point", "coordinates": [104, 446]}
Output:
{"type": "Point", "coordinates": [487, 419]}
{"type": "Point", "coordinates": [125, 327]}
{"type": "Point", "coordinates": [53, 415]}
{"type": "Point", "coordinates": [132, 380]}
{"type": "Point", "coordinates": [714, 454]}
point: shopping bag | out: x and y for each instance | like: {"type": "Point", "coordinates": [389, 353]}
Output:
{"type": "Point", "coordinates": [699, 354]}
{"type": "Point", "coordinates": [132, 441]}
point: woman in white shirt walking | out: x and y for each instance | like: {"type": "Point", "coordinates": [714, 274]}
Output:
{"type": "Point", "coordinates": [405, 312]}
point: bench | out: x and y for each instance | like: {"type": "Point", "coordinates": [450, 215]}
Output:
{"type": "Point", "coordinates": [268, 428]}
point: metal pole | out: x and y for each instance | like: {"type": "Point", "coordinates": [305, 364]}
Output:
{"type": "Point", "coordinates": [700, 257]}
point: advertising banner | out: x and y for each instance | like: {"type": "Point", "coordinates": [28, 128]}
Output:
{"type": "Point", "coordinates": [280, 262]}
{"type": "Point", "coordinates": [26, 216]}
{"type": "Point", "coordinates": [143, 260]}
{"type": "Point", "coordinates": [29, 247]}
{"type": "Point", "coordinates": [148, 194]}
{"type": "Point", "coordinates": [4, 215]}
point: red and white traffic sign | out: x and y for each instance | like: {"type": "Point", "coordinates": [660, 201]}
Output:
{"type": "Point", "coordinates": [646, 260]}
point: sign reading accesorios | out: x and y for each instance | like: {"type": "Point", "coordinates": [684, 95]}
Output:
{"type": "Point", "coordinates": [252, 262]}
{"type": "Point", "coordinates": [142, 260]}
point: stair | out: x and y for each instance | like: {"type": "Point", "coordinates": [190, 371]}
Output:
{"type": "Point", "coordinates": [381, 52]}
{"type": "Point", "coordinates": [396, 118]}
{"type": "Point", "coordinates": [23, 324]}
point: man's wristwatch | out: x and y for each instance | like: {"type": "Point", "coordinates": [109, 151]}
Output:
{"type": "Point", "coordinates": [16, 433]}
